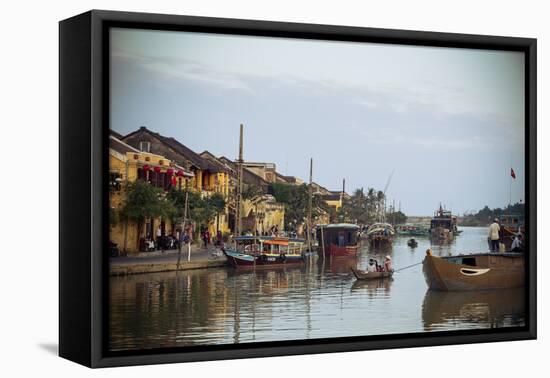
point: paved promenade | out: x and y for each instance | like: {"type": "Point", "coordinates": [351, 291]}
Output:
{"type": "Point", "coordinates": [157, 261]}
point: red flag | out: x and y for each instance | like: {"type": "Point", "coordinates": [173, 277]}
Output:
{"type": "Point", "coordinates": [513, 173]}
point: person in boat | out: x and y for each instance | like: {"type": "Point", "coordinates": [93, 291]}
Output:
{"type": "Point", "coordinates": [372, 267]}
{"type": "Point", "coordinates": [388, 267]}
{"type": "Point", "coordinates": [494, 235]}
{"type": "Point", "coordinates": [517, 244]}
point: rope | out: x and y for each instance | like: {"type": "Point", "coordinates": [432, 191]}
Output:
{"type": "Point", "coordinates": [407, 267]}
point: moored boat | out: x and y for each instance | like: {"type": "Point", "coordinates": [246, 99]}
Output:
{"type": "Point", "coordinates": [510, 226]}
{"type": "Point", "coordinates": [474, 272]}
{"type": "Point", "coordinates": [412, 230]}
{"type": "Point", "coordinates": [366, 275]}
{"type": "Point", "coordinates": [380, 234]}
{"type": "Point", "coordinates": [443, 226]}
{"type": "Point", "coordinates": [266, 251]}
{"type": "Point", "coordinates": [337, 240]}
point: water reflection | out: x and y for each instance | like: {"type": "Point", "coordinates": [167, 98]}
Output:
{"type": "Point", "coordinates": [373, 288]}
{"type": "Point", "coordinates": [317, 300]}
{"type": "Point", "coordinates": [492, 308]}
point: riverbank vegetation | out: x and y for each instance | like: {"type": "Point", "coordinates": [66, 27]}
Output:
{"type": "Point", "coordinates": [369, 207]}
{"type": "Point", "coordinates": [485, 216]}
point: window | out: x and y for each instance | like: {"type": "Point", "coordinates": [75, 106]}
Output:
{"type": "Point", "coordinates": [145, 146]}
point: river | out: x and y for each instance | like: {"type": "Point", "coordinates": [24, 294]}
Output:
{"type": "Point", "coordinates": [318, 300]}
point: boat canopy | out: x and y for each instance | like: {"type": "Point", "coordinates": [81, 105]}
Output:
{"type": "Point", "coordinates": [339, 225]}
{"type": "Point", "coordinates": [270, 240]}
{"type": "Point", "coordinates": [379, 228]}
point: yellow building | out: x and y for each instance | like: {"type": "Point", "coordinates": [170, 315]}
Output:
{"type": "Point", "coordinates": [208, 178]}
{"type": "Point", "coordinates": [127, 164]}
{"type": "Point", "coordinates": [333, 200]}
{"type": "Point", "coordinates": [263, 214]}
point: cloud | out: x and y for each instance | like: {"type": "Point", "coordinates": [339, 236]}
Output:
{"type": "Point", "coordinates": [173, 68]}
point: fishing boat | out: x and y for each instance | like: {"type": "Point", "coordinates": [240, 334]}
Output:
{"type": "Point", "coordinates": [379, 234]}
{"type": "Point", "coordinates": [510, 226]}
{"type": "Point", "coordinates": [337, 240]}
{"type": "Point", "coordinates": [412, 230]}
{"type": "Point", "coordinates": [366, 275]}
{"type": "Point", "coordinates": [474, 272]}
{"type": "Point", "coordinates": [443, 226]}
{"type": "Point", "coordinates": [265, 251]}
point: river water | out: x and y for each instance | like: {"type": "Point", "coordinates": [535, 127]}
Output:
{"type": "Point", "coordinates": [318, 300]}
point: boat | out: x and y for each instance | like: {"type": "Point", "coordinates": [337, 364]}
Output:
{"type": "Point", "coordinates": [366, 275]}
{"type": "Point", "coordinates": [412, 243]}
{"type": "Point", "coordinates": [443, 226]}
{"type": "Point", "coordinates": [412, 230]}
{"type": "Point", "coordinates": [510, 226]}
{"type": "Point", "coordinates": [256, 251]}
{"type": "Point", "coordinates": [380, 234]}
{"type": "Point", "coordinates": [337, 240]}
{"type": "Point", "coordinates": [477, 271]}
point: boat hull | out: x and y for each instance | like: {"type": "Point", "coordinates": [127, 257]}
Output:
{"type": "Point", "coordinates": [346, 251]}
{"type": "Point", "coordinates": [441, 234]}
{"type": "Point", "coordinates": [491, 271]}
{"type": "Point", "coordinates": [365, 275]}
{"type": "Point", "coordinates": [240, 260]}
{"type": "Point", "coordinates": [377, 240]}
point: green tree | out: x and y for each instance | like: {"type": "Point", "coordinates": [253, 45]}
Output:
{"type": "Point", "coordinates": [217, 202]}
{"type": "Point", "coordinates": [396, 217]}
{"type": "Point", "coordinates": [363, 208]}
{"type": "Point", "coordinates": [144, 201]}
{"type": "Point", "coordinates": [295, 199]}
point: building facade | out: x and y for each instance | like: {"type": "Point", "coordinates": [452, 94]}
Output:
{"type": "Point", "coordinates": [126, 165]}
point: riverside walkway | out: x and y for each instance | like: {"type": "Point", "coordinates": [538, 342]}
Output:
{"type": "Point", "coordinates": [157, 261]}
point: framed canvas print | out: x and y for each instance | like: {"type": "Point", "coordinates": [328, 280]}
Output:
{"type": "Point", "coordinates": [234, 188]}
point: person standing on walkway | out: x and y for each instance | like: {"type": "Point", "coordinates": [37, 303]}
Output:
{"type": "Point", "coordinates": [181, 239]}
{"type": "Point", "coordinates": [494, 231]}
{"type": "Point", "coordinates": [159, 235]}
{"type": "Point", "coordinates": [219, 238]}
{"type": "Point", "coordinates": [205, 237]}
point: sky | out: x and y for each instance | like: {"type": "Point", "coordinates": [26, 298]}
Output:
{"type": "Point", "coordinates": [448, 122]}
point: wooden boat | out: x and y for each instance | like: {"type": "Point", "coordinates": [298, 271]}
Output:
{"type": "Point", "coordinates": [412, 230]}
{"type": "Point", "coordinates": [510, 226]}
{"type": "Point", "coordinates": [474, 272]}
{"type": "Point", "coordinates": [443, 226]}
{"type": "Point", "coordinates": [412, 243]}
{"type": "Point", "coordinates": [265, 251]}
{"type": "Point", "coordinates": [380, 234]}
{"type": "Point", "coordinates": [337, 240]}
{"type": "Point", "coordinates": [365, 275]}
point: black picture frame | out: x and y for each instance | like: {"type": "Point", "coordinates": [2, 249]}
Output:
{"type": "Point", "coordinates": [83, 228]}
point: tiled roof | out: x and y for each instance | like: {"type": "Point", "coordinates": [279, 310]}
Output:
{"type": "Point", "coordinates": [180, 149]}
{"type": "Point", "coordinates": [119, 146]}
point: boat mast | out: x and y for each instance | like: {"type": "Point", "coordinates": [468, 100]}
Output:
{"type": "Point", "coordinates": [309, 204]}
{"type": "Point", "coordinates": [238, 224]}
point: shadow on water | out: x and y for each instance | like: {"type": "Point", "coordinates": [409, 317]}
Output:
{"type": "Point", "coordinates": [472, 309]}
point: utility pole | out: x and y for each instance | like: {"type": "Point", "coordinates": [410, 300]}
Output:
{"type": "Point", "coordinates": [238, 223]}
{"type": "Point", "coordinates": [185, 207]}
{"type": "Point", "coordinates": [309, 205]}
